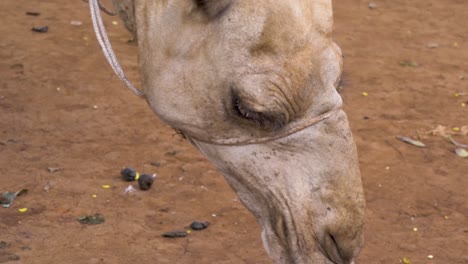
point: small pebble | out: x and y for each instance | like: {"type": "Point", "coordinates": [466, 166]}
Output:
{"type": "Point", "coordinates": [4, 244]}
{"type": "Point", "coordinates": [175, 234]}
{"type": "Point", "coordinates": [415, 229]}
{"type": "Point", "coordinates": [95, 107]}
{"type": "Point", "coordinates": [29, 13]}
{"type": "Point", "coordinates": [129, 189]}
{"type": "Point", "coordinates": [52, 169]}
{"type": "Point", "coordinates": [196, 225]}
{"type": "Point", "coordinates": [44, 29]}
{"type": "Point", "coordinates": [115, 23]}
{"type": "Point", "coordinates": [76, 23]}
{"type": "Point", "coordinates": [145, 182]}
{"type": "Point", "coordinates": [430, 257]}
{"type": "Point", "coordinates": [156, 163]}
{"type": "Point", "coordinates": [432, 45]}
{"type": "Point", "coordinates": [91, 219]}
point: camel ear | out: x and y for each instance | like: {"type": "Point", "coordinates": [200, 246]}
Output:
{"type": "Point", "coordinates": [214, 8]}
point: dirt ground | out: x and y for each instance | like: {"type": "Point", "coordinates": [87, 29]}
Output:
{"type": "Point", "coordinates": [62, 107]}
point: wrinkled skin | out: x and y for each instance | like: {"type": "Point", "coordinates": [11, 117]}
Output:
{"type": "Point", "coordinates": [219, 70]}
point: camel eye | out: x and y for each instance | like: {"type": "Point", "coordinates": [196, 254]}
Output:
{"type": "Point", "coordinates": [213, 8]}
{"type": "Point", "coordinates": [265, 120]}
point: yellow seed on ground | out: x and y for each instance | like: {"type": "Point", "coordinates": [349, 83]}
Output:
{"type": "Point", "coordinates": [463, 105]}
{"type": "Point", "coordinates": [23, 210]}
{"type": "Point", "coordinates": [415, 229]}
{"type": "Point", "coordinates": [106, 186]}
{"type": "Point", "coordinates": [456, 129]}
{"type": "Point", "coordinates": [189, 231]}
{"type": "Point", "coordinates": [85, 38]}
{"type": "Point", "coordinates": [456, 94]}
{"type": "Point", "coordinates": [365, 94]}
{"type": "Point", "coordinates": [115, 23]}
{"type": "Point", "coordinates": [430, 257]}
{"type": "Point", "coordinates": [94, 196]}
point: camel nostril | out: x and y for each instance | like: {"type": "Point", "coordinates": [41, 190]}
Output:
{"type": "Point", "coordinates": [332, 250]}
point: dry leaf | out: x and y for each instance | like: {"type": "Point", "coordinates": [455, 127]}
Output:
{"type": "Point", "coordinates": [462, 152]}
{"type": "Point", "coordinates": [439, 130]}
{"type": "Point", "coordinates": [413, 142]}
{"type": "Point", "coordinates": [458, 144]}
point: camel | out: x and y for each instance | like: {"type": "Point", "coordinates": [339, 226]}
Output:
{"type": "Point", "coordinates": [252, 85]}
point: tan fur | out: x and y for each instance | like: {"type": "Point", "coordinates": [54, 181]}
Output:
{"type": "Point", "coordinates": [248, 72]}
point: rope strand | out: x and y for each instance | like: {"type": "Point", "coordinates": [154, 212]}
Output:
{"type": "Point", "coordinates": [103, 39]}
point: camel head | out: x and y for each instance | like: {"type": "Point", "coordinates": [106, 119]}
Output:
{"type": "Point", "coordinates": [235, 77]}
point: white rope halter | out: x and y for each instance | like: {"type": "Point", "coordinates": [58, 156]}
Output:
{"type": "Point", "coordinates": [103, 39]}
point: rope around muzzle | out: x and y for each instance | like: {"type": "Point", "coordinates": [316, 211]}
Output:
{"type": "Point", "coordinates": [101, 35]}
{"type": "Point", "coordinates": [103, 39]}
{"type": "Point", "coordinates": [305, 123]}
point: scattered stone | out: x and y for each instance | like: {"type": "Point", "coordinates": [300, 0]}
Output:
{"type": "Point", "coordinates": [76, 23]}
{"type": "Point", "coordinates": [129, 189]}
{"type": "Point", "coordinates": [408, 247]}
{"type": "Point", "coordinates": [432, 45]}
{"type": "Point", "coordinates": [175, 234]}
{"type": "Point", "coordinates": [47, 187]}
{"type": "Point", "coordinates": [372, 5]}
{"type": "Point", "coordinates": [4, 244]}
{"type": "Point", "coordinates": [156, 163]}
{"type": "Point", "coordinates": [29, 13]}
{"type": "Point", "coordinates": [6, 257]}
{"type": "Point", "coordinates": [145, 181]}
{"type": "Point", "coordinates": [6, 200]}
{"type": "Point", "coordinates": [171, 153]}
{"type": "Point", "coordinates": [407, 63]}
{"type": "Point", "coordinates": [52, 169]}
{"type": "Point", "coordinates": [43, 29]}
{"type": "Point", "coordinates": [91, 219]}
{"type": "Point", "coordinates": [199, 225]}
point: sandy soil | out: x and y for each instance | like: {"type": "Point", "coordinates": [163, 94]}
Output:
{"type": "Point", "coordinates": [61, 106]}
